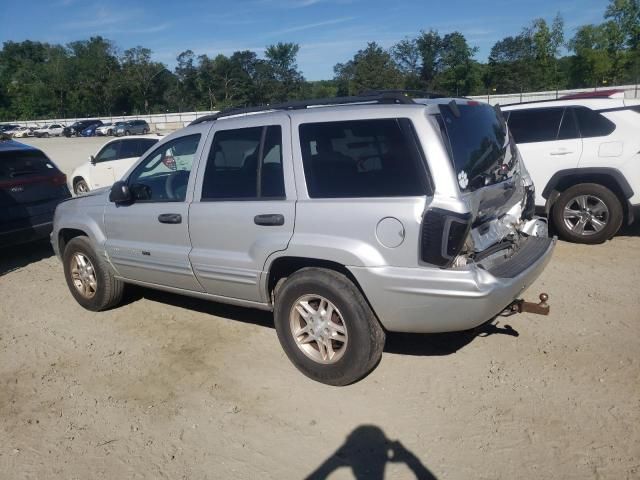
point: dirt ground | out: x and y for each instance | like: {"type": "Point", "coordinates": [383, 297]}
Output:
{"type": "Point", "coordinates": [177, 388]}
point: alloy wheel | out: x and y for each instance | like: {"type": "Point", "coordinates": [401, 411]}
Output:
{"type": "Point", "coordinates": [585, 215]}
{"type": "Point", "coordinates": [83, 275]}
{"type": "Point", "coordinates": [318, 329]}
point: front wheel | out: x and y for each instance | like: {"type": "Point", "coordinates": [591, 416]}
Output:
{"type": "Point", "coordinates": [80, 187]}
{"type": "Point", "coordinates": [587, 213]}
{"type": "Point", "coordinates": [89, 277]}
{"type": "Point", "coordinates": [326, 327]}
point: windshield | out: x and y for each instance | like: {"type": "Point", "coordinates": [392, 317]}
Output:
{"type": "Point", "coordinates": [481, 150]}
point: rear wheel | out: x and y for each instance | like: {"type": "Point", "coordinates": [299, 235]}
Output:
{"type": "Point", "coordinates": [80, 186]}
{"type": "Point", "coordinates": [587, 213]}
{"type": "Point", "coordinates": [89, 278]}
{"type": "Point", "coordinates": [145, 131]}
{"type": "Point", "coordinates": [46, 135]}
{"type": "Point", "coordinates": [326, 327]}
{"type": "Point", "coordinates": [127, 133]}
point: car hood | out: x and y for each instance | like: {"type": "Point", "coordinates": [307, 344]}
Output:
{"type": "Point", "coordinates": [97, 197]}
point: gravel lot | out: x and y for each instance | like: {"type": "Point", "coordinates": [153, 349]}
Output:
{"type": "Point", "coordinates": [170, 387]}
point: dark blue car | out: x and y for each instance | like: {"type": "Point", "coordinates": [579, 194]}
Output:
{"type": "Point", "coordinates": [90, 131]}
{"type": "Point", "coordinates": [31, 187]}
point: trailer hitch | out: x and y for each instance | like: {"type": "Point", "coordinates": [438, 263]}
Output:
{"type": "Point", "coordinates": [521, 306]}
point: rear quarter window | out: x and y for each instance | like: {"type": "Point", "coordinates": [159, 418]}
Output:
{"type": "Point", "coordinates": [363, 158]}
{"type": "Point", "coordinates": [593, 124]}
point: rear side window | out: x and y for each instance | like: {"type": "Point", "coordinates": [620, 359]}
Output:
{"type": "Point", "coordinates": [135, 148]}
{"type": "Point", "coordinates": [568, 127]}
{"type": "Point", "coordinates": [362, 158]}
{"type": "Point", "coordinates": [17, 164]}
{"type": "Point", "coordinates": [245, 163]}
{"type": "Point", "coordinates": [535, 125]}
{"type": "Point", "coordinates": [593, 124]}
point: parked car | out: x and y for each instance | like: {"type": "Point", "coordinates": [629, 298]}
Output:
{"type": "Point", "coordinates": [90, 131]}
{"type": "Point", "coordinates": [76, 128]}
{"type": "Point", "coordinates": [21, 132]}
{"type": "Point", "coordinates": [52, 130]}
{"type": "Point", "coordinates": [108, 129]}
{"type": "Point", "coordinates": [133, 127]}
{"type": "Point", "coordinates": [111, 162]}
{"type": "Point", "coordinates": [7, 126]}
{"type": "Point", "coordinates": [584, 157]}
{"type": "Point", "coordinates": [346, 221]}
{"type": "Point", "coordinates": [31, 186]}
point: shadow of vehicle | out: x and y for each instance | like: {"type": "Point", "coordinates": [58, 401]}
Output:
{"type": "Point", "coordinates": [432, 344]}
{"type": "Point", "coordinates": [240, 314]}
{"type": "Point", "coordinates": [632, 230]}
{"type": "Point", "coordinates": [366, 451]}
{"type": "Point", "coordinates": [18, 256]}
{"type": "Point", "coordinates": [438, 344]}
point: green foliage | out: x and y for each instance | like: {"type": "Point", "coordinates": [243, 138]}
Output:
{"type": "Point", "coordinates": [91, 77]}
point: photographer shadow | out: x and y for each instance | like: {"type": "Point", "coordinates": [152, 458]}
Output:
{"type": "Point", "coordinates": [366, 451]}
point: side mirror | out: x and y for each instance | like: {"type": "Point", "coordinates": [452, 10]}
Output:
{"type": "Point", "coordinates": [92, 159]}
{"type": "Point", "coordinates": [120, 193]}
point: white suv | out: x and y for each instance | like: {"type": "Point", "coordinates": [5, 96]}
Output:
{"type": "Point", "coordinates": [584, 158]}
{"type": "Point", "coordinates": [53, 130]}
{"type": "Point", "coordinates": [110, 163]}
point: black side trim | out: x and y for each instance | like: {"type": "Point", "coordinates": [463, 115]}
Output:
{"type": "Point", "coordinates": [529, 253]}
{"type": "Point", "coordinates": [612, 173]}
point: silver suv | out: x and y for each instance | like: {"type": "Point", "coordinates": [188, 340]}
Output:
{"type": "Point", "coordinates": [346, 217]}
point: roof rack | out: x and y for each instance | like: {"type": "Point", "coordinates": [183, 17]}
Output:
{"type": "Point", "coordinates": [382, 97]}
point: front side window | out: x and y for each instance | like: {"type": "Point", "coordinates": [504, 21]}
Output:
{"type": "Point", "coordinates": [245, 163]}
{"type": "Point", "coordinates": [109, 152]}
{"type": "Point", "coordinates": [163, 176]}
{"type": "Point", "coordinates": [535, 125]}
{"type": "Point", "coordinates": [362, 158]}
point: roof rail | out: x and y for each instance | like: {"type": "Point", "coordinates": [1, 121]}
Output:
{"type": "Point", "coordinates": [374, 97]}
{"type": "Point", "coordinates": [407, 93]}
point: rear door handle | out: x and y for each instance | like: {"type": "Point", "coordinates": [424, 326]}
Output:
{"type": "Point", "coordinates": [170, 218]}
{"type": "Point", "coordinates": [561, 152]}
{"type": "Point", "coordinates": [272, 219]}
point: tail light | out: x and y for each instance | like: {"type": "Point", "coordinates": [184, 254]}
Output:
{"type": "Point", "coordinates": [443, 236]}
{"type": "Point", "coordinates": [57, 179]}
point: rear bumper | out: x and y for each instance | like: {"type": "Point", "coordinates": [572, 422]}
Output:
{"type": "Point", "coordinates": [25, 235]}
{"type": "Point", "coordinates": [430, 300]}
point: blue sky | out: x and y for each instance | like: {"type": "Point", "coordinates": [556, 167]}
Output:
{"type": "Point", "coordinates": [328, 31]}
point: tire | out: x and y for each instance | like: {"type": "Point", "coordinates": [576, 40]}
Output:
{"type": "Point", "coordinates": [593, 214]}
{"type": "Point", "coordinates": [46, 135]}
{"type": "Point", "coordinates": [145, 131]}
{"type": "Point", "coordinates": [127, 133]}
{"type": "Point", "coordinates": [110, 132]}
{"type": "Point", "coordinates": [107, 291]}
{"type": "Point", "coordinates": [80, 187]}
{"type": "Point", "coordinates": [354, 358]}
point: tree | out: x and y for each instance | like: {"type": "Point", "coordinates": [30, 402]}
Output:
{"type": "Point", "coordinates": [370, 69]}
{"type": "Point", "coordinates": [457, 70]}
{"type": "Point", "coordinates": [140, 74]}
{"type": "Point", "coordinates": [286, 80]}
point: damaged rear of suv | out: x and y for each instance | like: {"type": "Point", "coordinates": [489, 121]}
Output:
{"type": "Point", "coordinates": [346, 217]}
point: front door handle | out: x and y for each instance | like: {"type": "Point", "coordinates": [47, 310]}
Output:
{"type": "Point", "coordinates": [561, 152]}
{"type": "Point", "coordinates": [170, 218]}
{"type": "Point", "coordinates": [271, 219]}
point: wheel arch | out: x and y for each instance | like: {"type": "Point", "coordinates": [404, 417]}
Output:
{"type": "Point", "coordinates": [282, 267]}
{"type": "Point", "coordinates": [610, 178]}
{"type": "Point", "coordinates": [65, 235]}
